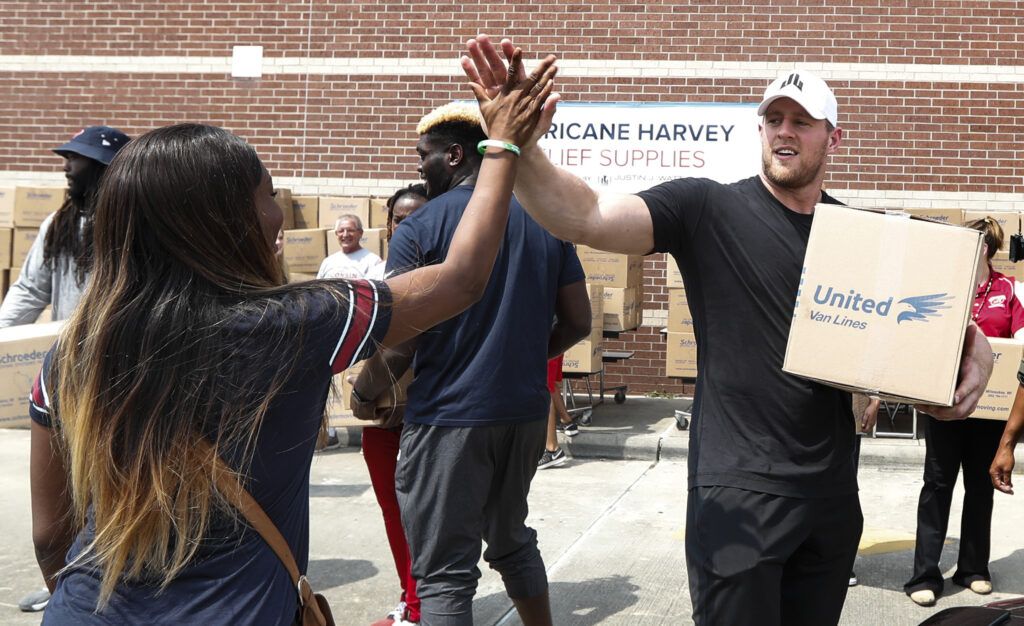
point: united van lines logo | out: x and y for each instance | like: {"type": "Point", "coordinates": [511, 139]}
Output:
{"type": "Point", "coordinates": [924, 307]}
{"type": "Point", "coordinates": [914, 309]}
{"type": "Point", "coordinates": [793, 79]}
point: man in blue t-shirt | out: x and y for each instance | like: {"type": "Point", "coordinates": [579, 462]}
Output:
{"type": "Point", "coordinates": [477, 408]}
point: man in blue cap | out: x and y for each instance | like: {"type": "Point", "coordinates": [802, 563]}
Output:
{"type": "Point", "coordinates": [57, 265]}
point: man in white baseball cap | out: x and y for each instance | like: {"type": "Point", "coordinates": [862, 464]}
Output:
{"type": "Point", "coordinates": [805, 89]}
{"type": "Point", "coordinates": [773, 517]}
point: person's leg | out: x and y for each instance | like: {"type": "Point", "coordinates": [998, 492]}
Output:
{"type": "Point", "coordinates": [442, 481]}
{"type": "Point", "coordinates": [551, 440]}
{"type": "Point", "coordinates": [980, 443]}
{"type": "Point", "coordinates": [380, 451]}
{"type": "Point", "coordinates": [511, 544]}
{"type": "Point", "coordinates": [551, 455]}
{"type": "Point", "coordinates": [737, 542]}
{"type": "Point", "coordinates": [815, 577]}
{"type": "Point", "coordinates": [941, 466]}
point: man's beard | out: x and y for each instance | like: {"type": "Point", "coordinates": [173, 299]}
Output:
{"type": "Point", "coordinates": [791, 178]}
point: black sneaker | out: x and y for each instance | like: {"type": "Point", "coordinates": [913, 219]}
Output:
{"type": "Point", "coordinates": [35, 601]}
{"type": "Point", "coordinates": [551, 459]}
{"type": "Point", "coordinates": [571, 429]}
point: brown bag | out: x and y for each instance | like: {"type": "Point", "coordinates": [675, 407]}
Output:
{"type": "Point", "coordinates": [313, 608]}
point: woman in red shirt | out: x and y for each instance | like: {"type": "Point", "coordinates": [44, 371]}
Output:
{"type": "Point", "coordinates": [970, 443]}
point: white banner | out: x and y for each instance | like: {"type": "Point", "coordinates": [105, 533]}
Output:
{"type": "Point", "coordinates": [628, 147]}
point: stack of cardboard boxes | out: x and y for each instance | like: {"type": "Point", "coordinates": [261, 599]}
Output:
{"type": "Point", "coordinates": [680, 342]}
{"type": "Point", "coordinates": [22, 211]}
{"type": "Point", "coordinates": [615, 286]}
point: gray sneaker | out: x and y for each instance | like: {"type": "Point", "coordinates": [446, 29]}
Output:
{"type": "Point", "coordinates": [35, 601]}
{"type": "Point", "coordinates": [551, 459]}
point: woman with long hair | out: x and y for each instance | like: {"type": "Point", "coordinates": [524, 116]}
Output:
{"type": "Point", "coordinates": [970, 444]}
{"type": "Point", "coordinates": [189, 357]}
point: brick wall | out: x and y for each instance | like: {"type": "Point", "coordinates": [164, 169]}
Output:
{"type": "Point", "coordinates": [931, 92]}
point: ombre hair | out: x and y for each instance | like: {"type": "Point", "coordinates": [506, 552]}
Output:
{"type": "Point", "coordinates": [145, 369]}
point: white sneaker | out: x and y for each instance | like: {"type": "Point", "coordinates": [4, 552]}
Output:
{"type": "Point", "coordinates": [924, 597]}
{"type": "Point", "coordinates": [981, 587]}
{"type": "Point", "coordinates": [35, 601]}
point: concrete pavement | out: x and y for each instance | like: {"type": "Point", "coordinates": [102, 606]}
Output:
{"type": "Point", "coordinates": [611, 530]}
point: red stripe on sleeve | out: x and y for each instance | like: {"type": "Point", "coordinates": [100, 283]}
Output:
{"type": "Point", "coordinates": [36, 395]}
{"type": "Point", "coordinates": [364, 311]}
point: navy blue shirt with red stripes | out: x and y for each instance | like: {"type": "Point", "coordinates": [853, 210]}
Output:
{"type": "Point", "coordinates": [237, 579]}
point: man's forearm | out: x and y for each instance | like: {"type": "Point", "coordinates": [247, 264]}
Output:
{"type": "Point", "coordinates": [562, 338]}
{"type": "Point", "coordinates": [1014, 425]}
{"type": "Point", "coordinates": [560, 201]}
{"type": "Point", "coordinates": [382, 370]}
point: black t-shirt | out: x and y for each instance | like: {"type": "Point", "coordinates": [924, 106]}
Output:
{"type": "Point", "coordinates": [236, 578]}
{"type": "Point", "coordinates": [487, 365]}
{"type": "Point", "coordinates": [755, 427]}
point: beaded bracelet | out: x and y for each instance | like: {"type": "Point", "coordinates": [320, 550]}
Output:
{"type": "Point", "coordinates": [495, 143]}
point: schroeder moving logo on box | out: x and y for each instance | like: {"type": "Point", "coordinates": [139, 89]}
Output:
{"type": "Point", "coordinates": [915, 308]}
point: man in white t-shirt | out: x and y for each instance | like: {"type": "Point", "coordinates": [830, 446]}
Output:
{"type": "Point", "coordinates": [353, 261]}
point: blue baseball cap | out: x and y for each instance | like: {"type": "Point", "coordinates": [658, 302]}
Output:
{"type": "Point", "coordinates": [99, 143]}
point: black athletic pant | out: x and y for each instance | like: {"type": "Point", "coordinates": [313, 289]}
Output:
{"type": "Point", "coordinates": [755, 558]}
{"type": "Point", "coordinates": [971, 443]}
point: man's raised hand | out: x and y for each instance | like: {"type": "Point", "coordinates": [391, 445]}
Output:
{"type": "Point", "coordinates": [492, 82]}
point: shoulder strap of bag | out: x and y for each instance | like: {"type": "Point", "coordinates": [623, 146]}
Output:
{"type": "Point", "coordinates": [241, 499]}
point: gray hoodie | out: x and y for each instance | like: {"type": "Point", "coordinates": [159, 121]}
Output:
{"type": "Point", "coordinates": [37, 286]}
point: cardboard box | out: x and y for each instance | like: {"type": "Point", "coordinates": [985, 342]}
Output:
{"type": "Point", "coordinates": [1002, 264]}
{"type": "Point", "coordinates": [23, 239]}
{"type": "Point", "coordinates": [331, 208]}
{"type": "Point", "coordinates": [306, 212]}
{"type": "Point", "coordinates": [883, 304]}
{"type": "Point", "coordinates": [622, 308]}
{"type": "Point", "coordinates": [5, 280]}
{"type": "Point", "coordinates": [284, 200]}
{"type": "Point", "coordinates": [379, 212]}
{"type": "Point", "coordinates": [679, 318]}
{"type": "Point", "coordinates": [372, 240]}
{"type": "Point", "coordinates": [673, 277]}
{"type": "Point", "coordinates": [953, 217]}
{"type": "Point", "coordinates": [304, 249]}
{"type": "Point", "coordinates": [609, 269]}
{"type": "Point", "coordinates": [13, 275]}
{"type": "Point", "coordinates": [1007, 220]}
{"type": "Point", "coordinates": [6, 207]}
{"type": "Point", "coordinates": [22, 349]}
{"type": "Point", "coordinates": [46, 315]}
{"type": "Point", "coordinates": [6, 247]}
{"type": "Point", "coordinates": [298, 277]}
{"type": "Point", "coordinates": [996, 402]}
{"type": "Point", "coordinates": [33, 204]}
{"type": "Point", "coordinates": [680, 355]}
{"type": "Point", "coordinates": [585, 356]}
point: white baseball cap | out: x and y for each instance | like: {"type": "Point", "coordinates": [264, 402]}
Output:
{"type": "Point", "coordinates": [807, 90]}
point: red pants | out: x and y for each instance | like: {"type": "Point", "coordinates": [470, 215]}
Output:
{"type": "Point", "coordinates": [380, 450]}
